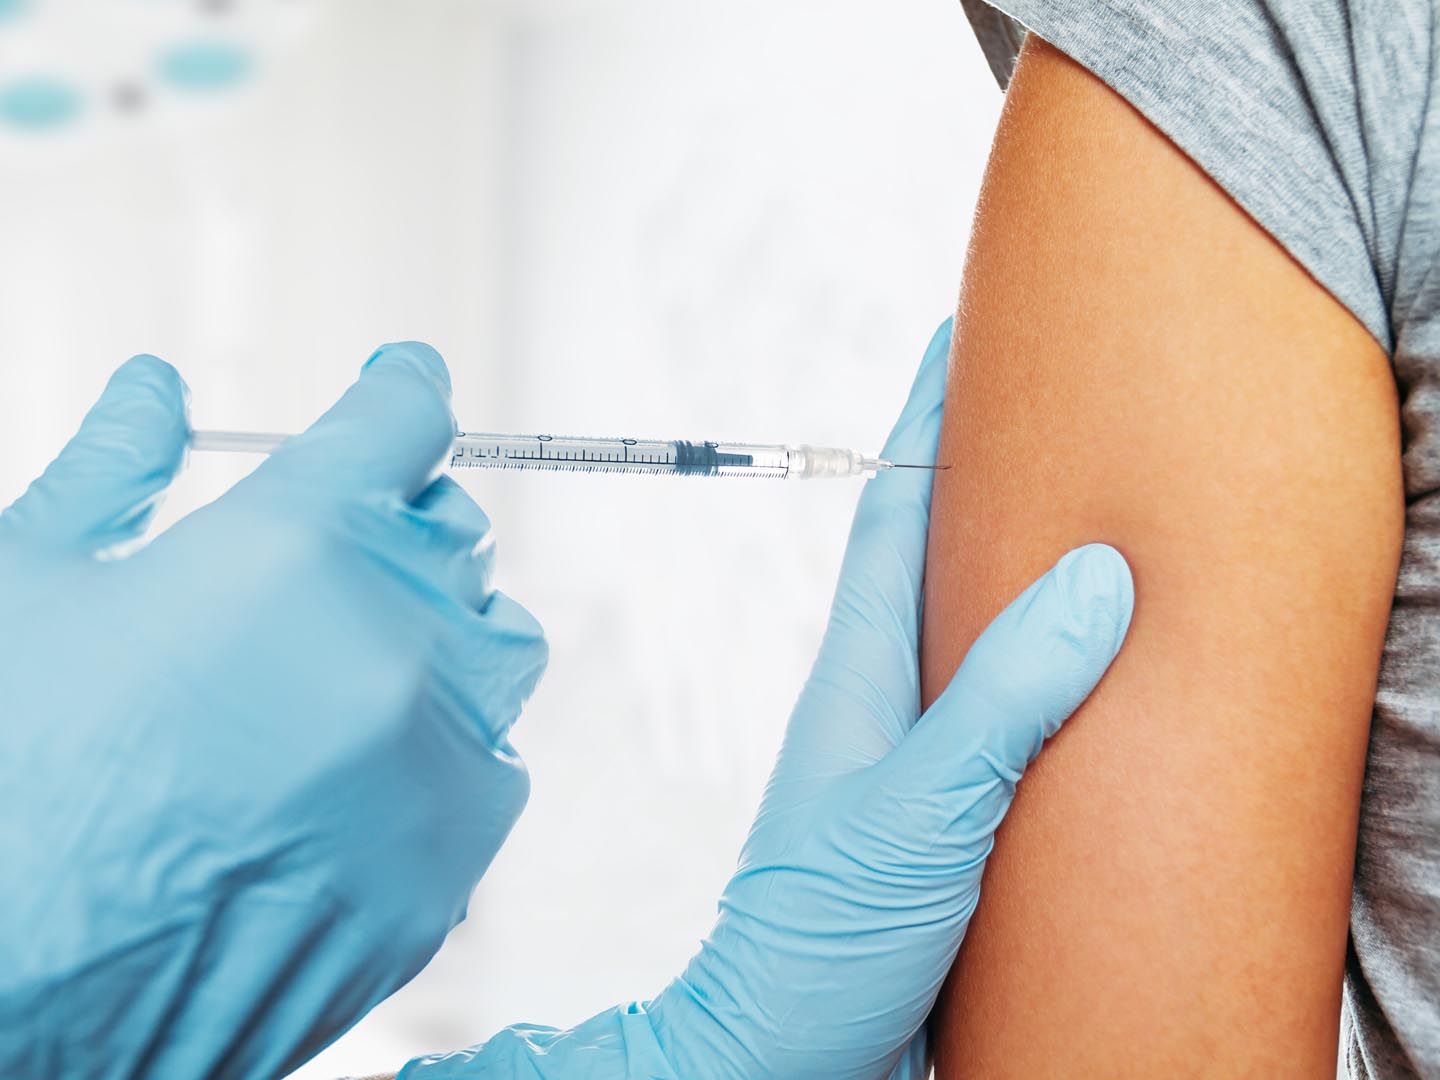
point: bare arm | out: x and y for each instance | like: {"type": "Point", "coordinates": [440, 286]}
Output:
{"type": "Point", "coordinates": [1137, 362]}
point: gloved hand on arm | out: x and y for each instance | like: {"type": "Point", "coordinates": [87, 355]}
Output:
{"type": "Point", "coordinates": [863, 867]}
{"type": "Point", "coordinates": [250, 773]}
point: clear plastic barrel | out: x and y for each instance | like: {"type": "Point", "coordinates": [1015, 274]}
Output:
{"type": "Point", "coordinates": [571, 454]}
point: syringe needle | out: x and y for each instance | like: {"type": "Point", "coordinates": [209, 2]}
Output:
{"type": "Point", "coordinates": [932, 468]}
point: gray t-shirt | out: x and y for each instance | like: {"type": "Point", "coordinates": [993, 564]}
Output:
{"type": "Point", "coordinates": [1316, 117]}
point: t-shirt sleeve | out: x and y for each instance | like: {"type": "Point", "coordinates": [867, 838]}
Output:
{"type": "Point", "coordinates": [1306, 112]}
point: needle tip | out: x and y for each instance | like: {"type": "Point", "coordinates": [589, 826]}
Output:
{"type": "Point", "coordinates": [932, 468]}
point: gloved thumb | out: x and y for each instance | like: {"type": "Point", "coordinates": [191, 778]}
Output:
{"type": "Point", "coordinates": [104, 487]}
{"type": "Point", "coordinates": [390, 432]}
{"type": "Point", "coordinates": [885, 559]}
{"type": "Point", "coordinates": [1029, 671]}
{"type": "Point", "coordinates": [870, 648]}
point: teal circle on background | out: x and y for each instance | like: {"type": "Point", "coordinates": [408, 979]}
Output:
{"type": "Point", "coordinates": [205, 66]}
{"type": "Point", "coordinates": [39, 103]}
{"type": "Point", "coordinates": [9, 9]}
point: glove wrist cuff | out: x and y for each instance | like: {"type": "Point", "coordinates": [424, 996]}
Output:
{"type": "Point", "coordinates": [616, 1045]}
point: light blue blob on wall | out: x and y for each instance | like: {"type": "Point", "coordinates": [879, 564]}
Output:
{"type": "Point", "coordinates": [205, 66]}
{"type": "Point", "coordinates": [10, 9]}
{"type": "Point", "coordinates": [38, 103]}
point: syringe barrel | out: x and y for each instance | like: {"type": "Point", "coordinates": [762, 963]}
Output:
{"type": "Point", "coordinates": [620, 455]}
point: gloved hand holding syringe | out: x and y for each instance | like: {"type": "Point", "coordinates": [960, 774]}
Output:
{"type": "Point", "coordinates": [650, 457]}
{"type": "Point", "coordinates": [289, 715]}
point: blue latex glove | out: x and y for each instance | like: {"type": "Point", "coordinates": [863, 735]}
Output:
{"type": "Point", "coordinates": [863, 868]}
{"type": "Point", "coordinates": [249, 774]}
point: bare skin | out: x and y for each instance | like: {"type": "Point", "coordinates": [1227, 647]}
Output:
{"type": "Point", "coordinates": [1138, 362]}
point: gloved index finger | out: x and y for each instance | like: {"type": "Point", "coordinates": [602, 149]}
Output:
{"type": "Point", "coordinates": [391, 431]}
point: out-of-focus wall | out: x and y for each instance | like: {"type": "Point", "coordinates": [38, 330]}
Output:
{"type": "Point", "coordinates": [660, 217]}
{"type": "Point", "coordinates": [262, 240]}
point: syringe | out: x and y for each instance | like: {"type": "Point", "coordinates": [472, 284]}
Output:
{"type": "Point", "coordinates": [649, 457]}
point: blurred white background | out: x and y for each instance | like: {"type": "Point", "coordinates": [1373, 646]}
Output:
{"type": "Point", "coordinates": [660, 217]}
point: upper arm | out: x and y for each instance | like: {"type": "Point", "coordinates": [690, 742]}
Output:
{"type": "Point", "coordinates": [1137, 362]}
